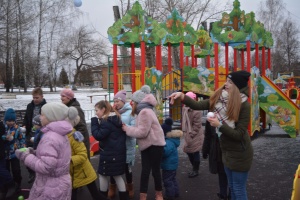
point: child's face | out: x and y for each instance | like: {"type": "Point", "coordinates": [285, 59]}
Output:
{"type": "Point", "coordinates": [37, 99]}
{"type": "Point", "coordinates": [44, 120]}
{"type": "Point", "coordinates": [10, 123]}
{"type": "Point", "coordinates": [99, 112]}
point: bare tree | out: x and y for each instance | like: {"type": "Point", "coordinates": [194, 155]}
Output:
{"type": "Point", "coordinates": [86, 51]}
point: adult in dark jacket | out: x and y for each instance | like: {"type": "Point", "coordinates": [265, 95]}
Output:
{"type": "Point", "coordinates": [5, 177]}
{"type": "Point", "coordinates": [67, 98]}
{"type": "Point", "coordinates": [232, 117]}
{"type": "Point", "coordinates": [107, 129]}
{"type": "Point", "coordinates": [33, 109]}
{"type": "Point", "coordinates": [211, 149]}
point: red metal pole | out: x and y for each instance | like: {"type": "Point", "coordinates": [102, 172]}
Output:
{"type": "Point", "coordinates": [248, 55]}
{"type": "Point", "coordinates": [158, 58]}
{"type": "Point", "coordinates": [143, 62]}
{"type": "Point", "coordinates": [234, 60]}
{"type": "Point", "coordinates": [216, 45]}
{"type": "Point", "coordinates": [133, 68]}
{"type": "Point", "coordinates": [193, 55]}
{"type": "Point", "coordinates": [243, 59]}
{"type": "Point", "coordinates": [169, 57]}
{"type": "Point", "coordinates": [208, 62]}
{"type": "Point", "coordinates": [187, 61]}
{"type": "Point", "coordinates": [181, 55]}
{"type": "Point", "coordinates": [269, 59]}
{"type": "Point", "coordinates": [263, 61]}
{"type": "Point", "coordinates": [115, 67]}
{"type": "Point", "coordinates": [256, 55]}
{"type": "Point", "coordinates": [226, 58]}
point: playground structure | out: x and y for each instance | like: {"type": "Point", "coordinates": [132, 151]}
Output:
{"type": "Point", "coordinates": [236, 29]}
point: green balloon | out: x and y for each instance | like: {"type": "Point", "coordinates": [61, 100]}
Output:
{"type": "Point", "coordinates": [20, 198]}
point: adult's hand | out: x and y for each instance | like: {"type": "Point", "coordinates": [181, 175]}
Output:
{"type": "Point", "coordinates": [176, 95]}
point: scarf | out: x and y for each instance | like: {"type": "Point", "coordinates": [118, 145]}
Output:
{"type": "Point", "coordinates": [143, 105]}
{"type": "Point", "coordinates": [221, 108]}
{"type": "Point", "coordinates": [186, 124]}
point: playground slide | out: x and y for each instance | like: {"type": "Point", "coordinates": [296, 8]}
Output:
{"type": "Point", "coordinates": [278, 106]}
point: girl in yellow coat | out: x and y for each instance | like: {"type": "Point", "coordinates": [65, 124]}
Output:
{"type": "Point", "coordinates": [81, 169]}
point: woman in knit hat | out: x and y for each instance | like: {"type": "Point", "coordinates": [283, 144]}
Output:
{"type": "Point", "coordinates": [232, 116]}
{"type": "Point", "coordinates": [193, 135]}
{"type": "Point", "coordinates": [125, 109]}
{"type": "Point", "coordinates": [51, 160]}
{"type": "Point", "coordinates": [150, 138]}
{"type": "Point", "coordinates": [67, 98]}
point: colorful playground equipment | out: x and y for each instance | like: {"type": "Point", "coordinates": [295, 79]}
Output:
{"type": "Point", "coordinates": [236, 29]}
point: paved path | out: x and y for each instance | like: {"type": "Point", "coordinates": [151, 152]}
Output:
{"type": "Point", "coordinates": [276, 157]}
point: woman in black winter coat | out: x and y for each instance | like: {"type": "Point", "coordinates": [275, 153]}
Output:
{"type": "Point", "coordinates": [211, 149]}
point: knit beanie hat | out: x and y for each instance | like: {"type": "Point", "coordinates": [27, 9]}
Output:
{"type": "Point", "coordinates": [239, 78]}
{"type": "Point", "coordinates": [140, 94]}
{"type": "Point", "coordinates": [67, 93]}
{"type": "Point", "coordinates": [37, 120]}
{"type": "Point", "coordinates": [75, 121]}
{"type": "Point", "coordinates": [167, 125]}
{"type": "Point", "coordinates": [191, 94]}
{"type": "Point", "coordinates": [10, 115]}
{"type": "Point", "coordinates": [55, 111]}
{"type": "Point", "coordinates": [121, 95]}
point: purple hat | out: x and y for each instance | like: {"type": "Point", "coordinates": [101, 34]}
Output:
{"type": "Point", "coordinates": [121, 95]}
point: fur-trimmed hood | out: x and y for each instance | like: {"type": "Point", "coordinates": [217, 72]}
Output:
{"type": "Point", "coordinates": [174, 134]}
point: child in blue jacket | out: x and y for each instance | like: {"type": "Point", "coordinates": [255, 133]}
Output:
{"type": "Point", "coordinates": [14, 139]}
{"type": "Point", "coordinates": [169, 163]}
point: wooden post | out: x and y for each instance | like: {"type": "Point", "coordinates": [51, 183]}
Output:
{"type": "Point", "coordinates": [158, 58]}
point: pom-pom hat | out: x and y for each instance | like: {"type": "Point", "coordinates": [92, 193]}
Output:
{"type": "Point", "coordinates": [55, 111]}
{"type": "Point", "coordinates": [37, 120]}
{"type": "Point", "coordinates": [10, 115]}
{"type": "Point", "coordinates": [191, 94]}
{"type": "Point", "coordinates": [140, 94]}
{"type": "Point", "coordinates": [239, 78]}
{"type": "Point", "coordinates": [121, 95]}
{"type": "Point", "coordinates": [67, 93]}
{"type": "Point", "coordinates": [167, 125]}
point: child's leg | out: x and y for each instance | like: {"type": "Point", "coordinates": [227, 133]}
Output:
{"type": "Point", "coordinates": [74, 194]}
{"type": "Point", "coordinates": [128, 173]}
{"type": "Point", "coordinates": [5, 176]}
{"type": "Point", "coordinates": [156, 157]}
{"type": "Point", "coordinates": [103, 180]}
{"type": "Point", "coordinates": [168, 183]}
{"type": "Point", "coordinates": [176, 187]}
{"type": "Point", "coordinates": [95, 192]}
{"type": "Point", "coordinates": [146, 169]}
{"type": "Point", "coordinates": [120, 183]}
{"type": "Point", "coordinates": [16, 170]}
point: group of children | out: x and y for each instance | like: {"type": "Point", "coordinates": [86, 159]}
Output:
{"type": "Point", "coordinates": [118, 128]}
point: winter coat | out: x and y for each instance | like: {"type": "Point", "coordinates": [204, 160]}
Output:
{"type": "Point", "coordinates": [193, 131]}
{"type": "Point", "coordinates": [18, 141]}
{"type": "Point", "coordinates": [147, 128]}
{"type": "Point", "coordinates": [2, 148]}
{"type": "Point", "coordinates": [38, 134]}
{"type": "Point", "coordinates": [51, 164]}
{"type": "Point", "coordinates": [81, 126]}
{"type": "Point", "coordinates": [170, 155]}
{"type": "Point", "coordinates": [237, 151]}
{"type": "Point", "coordinates": [27, 121]}
{"type": "Point", "coordinates": [211, 148]}
{"type": "Point", "coordinates": [129, 120]}
{"type": "Point", "coordinates": [81, 170]}
{"type": "Point", "coordinates": [112, 143]}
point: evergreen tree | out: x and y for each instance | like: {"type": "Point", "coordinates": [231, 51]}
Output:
{"type": "Point", "coordinates": [63, 77]}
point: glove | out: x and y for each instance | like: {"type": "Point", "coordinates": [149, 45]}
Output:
{"type": "Point", "coordinates": [31, 150]}
{"type": "Point", "coordinates": [204, 155]}
{"type": "Point", "coordinates": [22, 153]}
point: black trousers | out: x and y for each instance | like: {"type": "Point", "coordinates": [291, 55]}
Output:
{"type": "Point", "coordinates": [13, 165]}
{"type": "Point", "coordinates": [151, 159]}
{"type": "Point", "coordinates": [5, 176]}
{"type": "Point", "coordinates": [94, 191]}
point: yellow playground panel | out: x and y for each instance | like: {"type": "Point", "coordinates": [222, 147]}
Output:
{"type": "Point", "coordinates": [296, 185]}
{"type": "Point", "coordinates": [130, 76]}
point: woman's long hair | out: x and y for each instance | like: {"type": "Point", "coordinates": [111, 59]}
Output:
{"type": "Point", "coordinates": [108, 109]}
{"type": "Point", "coordinates": [234, 102]}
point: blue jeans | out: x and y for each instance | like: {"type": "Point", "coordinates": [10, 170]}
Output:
{"type": "Point", "coordinates": [237, 182]}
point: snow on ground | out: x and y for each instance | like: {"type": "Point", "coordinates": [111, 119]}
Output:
{"type": "Point", "coordinates": [22, 99]}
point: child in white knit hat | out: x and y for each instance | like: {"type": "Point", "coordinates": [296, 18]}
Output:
{"type": "Point", "coordinates": [51, 160]}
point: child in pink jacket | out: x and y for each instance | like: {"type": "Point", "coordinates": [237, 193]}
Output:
{"type": "Point", "coordinates": [150, 138]}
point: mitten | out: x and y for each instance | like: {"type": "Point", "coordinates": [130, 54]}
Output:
{"type": "Point", "coordinates": [204, 155]}
{"type": "Point", "coordinates": [31, 150]}
{"type": "Point", "coordinates": [22, 153]}
{"type": "Point", "coordinates": [78, 136]}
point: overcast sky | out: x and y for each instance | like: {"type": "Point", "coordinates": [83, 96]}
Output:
{"type": "Point", "coordinates": [99, 13]}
